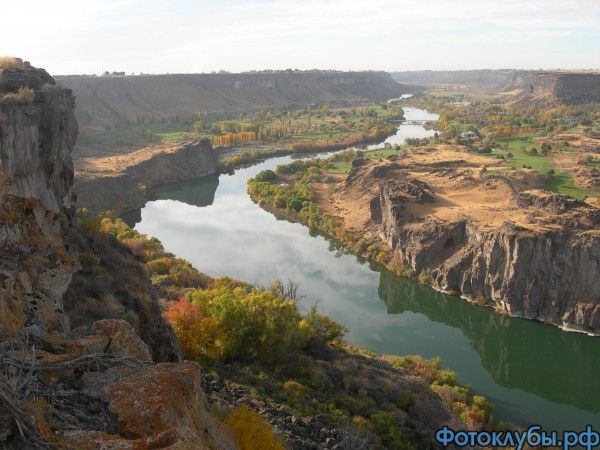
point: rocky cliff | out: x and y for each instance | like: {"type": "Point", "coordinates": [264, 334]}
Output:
{"type": "Point", "coordinates": [542, 88]}
{"type": "Point", "coordinates": [524, 86]}
{"type": "Point", "coordinates": [112, 100]}
{"type": "Point", "coordinates": [37, 133]}
{"type": "Point", "coordinates": [494, 80]}
{"type": "Point", "coordinates": [551, 276]}
{"type": "Point", "coordinates": [120, 183]}
{"type": "Point", "coordinates": [95, 386]}
{"type": "Point", "coordinates": [531, 253]}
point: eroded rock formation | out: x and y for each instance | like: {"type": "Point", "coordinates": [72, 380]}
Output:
{"type": "Point", "coordinates": [120, 183]}
{"type": "Point", "coordinates": [531, 253]}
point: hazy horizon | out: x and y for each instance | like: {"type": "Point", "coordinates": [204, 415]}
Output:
{"type": "Point", "coordinates": [182, 36]}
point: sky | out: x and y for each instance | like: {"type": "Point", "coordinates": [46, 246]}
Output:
{"type": "Point", "coordinates": [185, 36]}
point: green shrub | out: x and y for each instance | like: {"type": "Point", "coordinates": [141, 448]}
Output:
{"type": "Point", "coordinates": [260, 324]}
{"type": "Point", "coordinates": [385, 426]}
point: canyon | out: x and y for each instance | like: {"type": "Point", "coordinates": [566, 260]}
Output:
{"type": "Point", "coordinates": [488, 236]}
{"type": "Point", "coordinates": [543, 88]}
{"type": "Point", "coordinates": [87, 359]}
{"type": "Point", "coordinates": [111, 100]}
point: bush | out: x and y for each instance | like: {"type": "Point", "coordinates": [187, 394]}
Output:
{"type": "Point", "coordinates": [200, 336]}
{"type": "Point", "coordinates": [424, 278]}
{"type": "Point", "coordinates": [266, 175]}
{"type": "Point", "coordinates": [251, 431]}
{"type": "Point", "coordinates": [320, 329]}
{"type": "Point", "coordinates": [385, 425]}
{"type": "Point", "coordinates": [254, 324]}
{"type": "Point", "coordinates": [23, 96]}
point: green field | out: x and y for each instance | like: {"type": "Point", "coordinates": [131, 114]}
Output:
{"type": "Point", "coordinates": [563, 183]}
{"type": "Point", "coordinates": [305, 125]}
{"type": "Point", "coordinates": [345, 166]}
{"type": "Point", "coordinates": [137, 134]}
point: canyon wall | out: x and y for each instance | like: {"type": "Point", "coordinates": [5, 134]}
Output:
{"type": "Point", "coordinates": [127, 188]}
{"type": "Point", "coordinates": [551, 276]}
{"type": "Point", "coordinates": [37, 134]}
{"type": "Point", "coordinates": [540, 87]}
{"type": "Point", "coordinates": [95, 386]}
{"type": "Point", "coordinates": [107, 101]}
{"type": "Point", "coordinates": [483, 79]}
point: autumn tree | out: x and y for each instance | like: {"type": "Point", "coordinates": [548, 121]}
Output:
{"type": "Point", "coordinates": [199, 335]}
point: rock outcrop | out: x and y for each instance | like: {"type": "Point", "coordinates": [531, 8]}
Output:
{"type": "Point", "coordinates": [37, 137]}
{"type": "Point", "coordinates": [95, 386]}
{"type": "Point", "coordinates": [126, 188]}
{"type": "Point", "coordinates": [37, 134]}
{"type": "Point", "coordinates": [536, 256]}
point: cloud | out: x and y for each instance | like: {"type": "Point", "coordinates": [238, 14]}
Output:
{"type": "Point", "coordinates": [190, 36]}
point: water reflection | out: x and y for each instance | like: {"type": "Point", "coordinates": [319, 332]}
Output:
{"type": "Point", "coordinates": [513, 351]}
{"type": "Point", "coordinates": [532, 372]}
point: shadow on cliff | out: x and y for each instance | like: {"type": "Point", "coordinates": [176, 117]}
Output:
{"type": "Point", "coordinates": [506, 345]}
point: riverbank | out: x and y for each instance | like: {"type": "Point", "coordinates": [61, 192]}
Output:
{"type": "Point", "coordinates": [119, 180]}
{"type": "Point", "coordinates": [298, 374]}
{"type": "Point", "coordinates": [437, 216]}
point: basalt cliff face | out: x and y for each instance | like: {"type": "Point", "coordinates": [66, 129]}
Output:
{"type": "Point", "coordinates": [37, 134]}
{"type": "Point", "coordinates": [532, 254]}
{"type": "Point", "coordinates": [551, 276]}
{"type": "Point", "coordinates": [120, 183]}
{"type": "Point", "coordinates": [526, 87]}
{"type": "Point", "coordinates": [95, 386]}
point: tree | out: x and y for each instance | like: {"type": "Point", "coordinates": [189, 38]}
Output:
{"type": "Point", "coordinates": [199, 335]}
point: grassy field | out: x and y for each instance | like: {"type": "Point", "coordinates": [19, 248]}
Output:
{"type": "Point", "coordinates": [137, 134]}
{"type": "Point", "coordinates": [345, 166]}
{"type": "Point", "coordinates": [563, 183]}
{"type": "Point", "coordinates": [305, 125]}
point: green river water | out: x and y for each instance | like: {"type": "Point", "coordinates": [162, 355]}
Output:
{"type": "Point", "coordinates": [533, 373]}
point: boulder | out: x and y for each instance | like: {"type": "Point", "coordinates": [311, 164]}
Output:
{"type": "Point", "coordinates": [123, 340]}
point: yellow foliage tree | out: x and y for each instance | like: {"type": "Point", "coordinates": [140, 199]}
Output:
{"type": "Point", "coordinates": [233, 139]}
{"type": "Point", "coordinates": [252, 432]}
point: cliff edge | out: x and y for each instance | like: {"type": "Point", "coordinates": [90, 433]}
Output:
{"type": "Point", "coordinates": [95, 386]}
{"type": "Point", "coordinates": [481, 233]}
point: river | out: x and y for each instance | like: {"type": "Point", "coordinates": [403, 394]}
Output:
{"type": "Point", "coordinates": [533, 373]}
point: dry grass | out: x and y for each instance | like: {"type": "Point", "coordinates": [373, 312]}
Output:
{"type": "Point", "coordinates": [10, 62]}
{"type": "Point", "coordinates": [4, 185]}
{"type": "Point", "coordinates": [23, 96]}
{"type": "Point", "coordinates": [454, 177]}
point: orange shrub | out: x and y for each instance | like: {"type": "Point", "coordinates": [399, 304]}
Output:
{"type": "Point", "coordinates": [200, 336]}
{"type": "Point", "coordinates": [252, 432]}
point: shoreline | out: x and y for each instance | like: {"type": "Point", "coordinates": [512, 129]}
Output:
{"type": "Point", "coordinates": [380, 253]}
